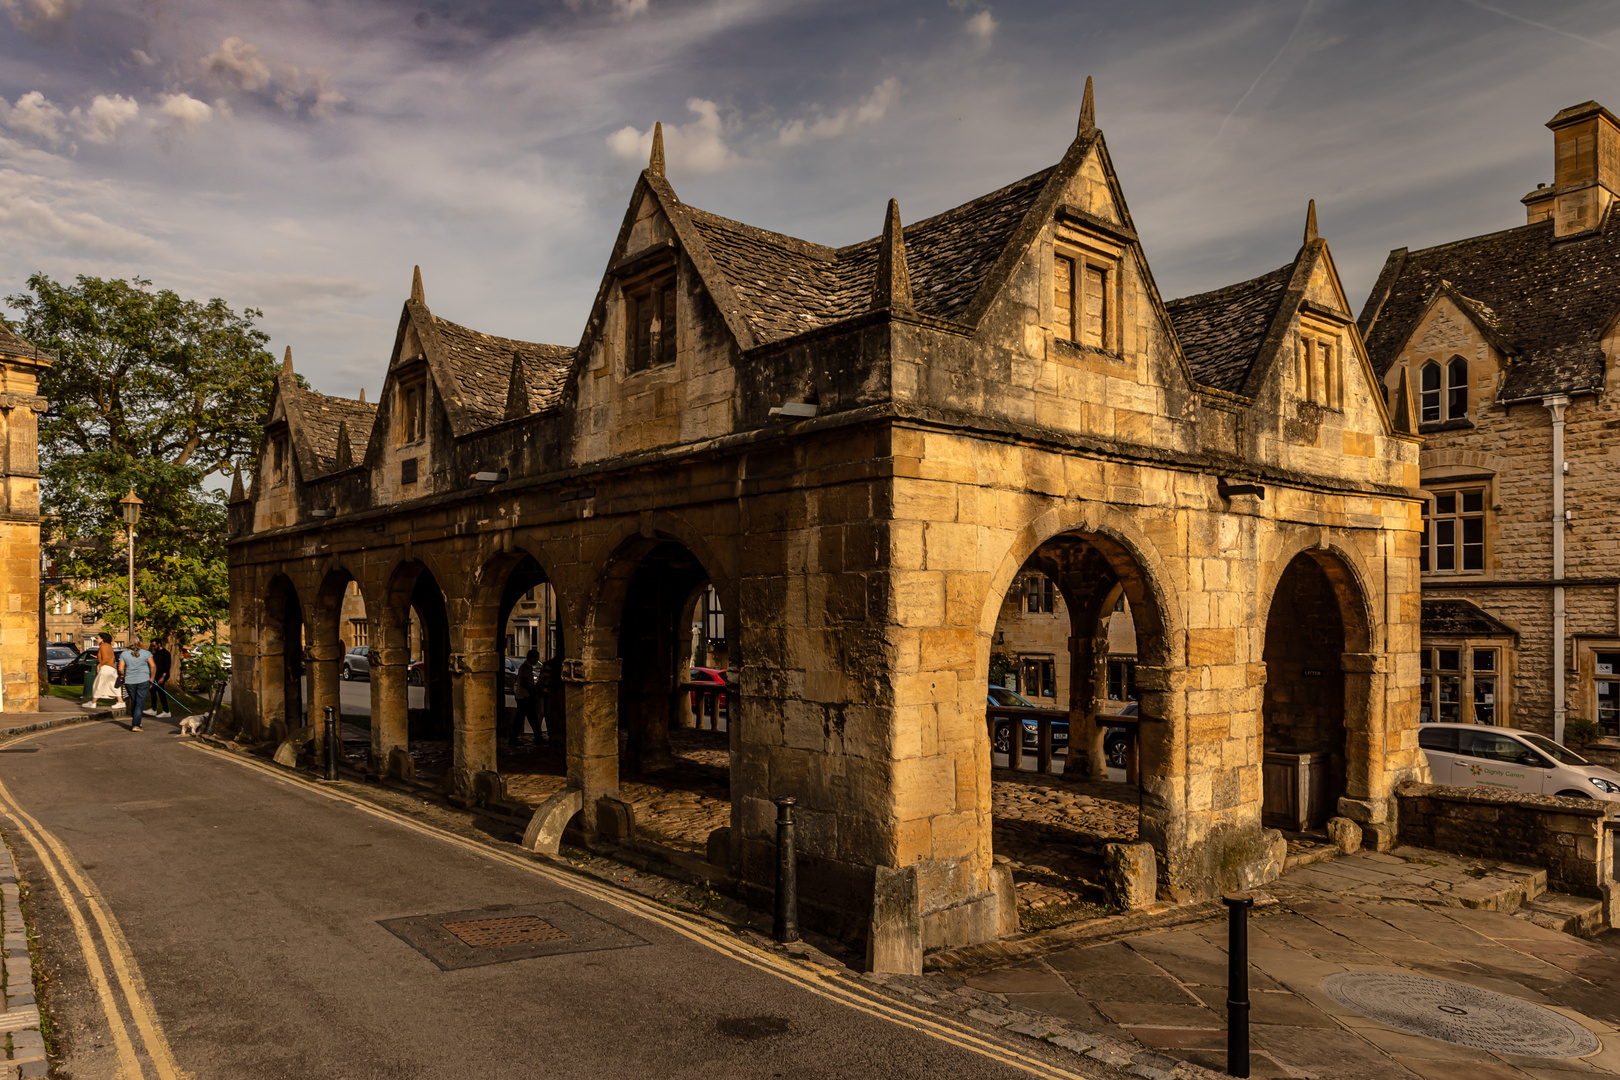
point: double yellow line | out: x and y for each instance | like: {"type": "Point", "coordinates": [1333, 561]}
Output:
{"type": "Point", "coordinates": [81, 899]}
{"type": "Point", "coordinates": [79, 896]}
{"type": "Point", "coordinates": [822, 983]}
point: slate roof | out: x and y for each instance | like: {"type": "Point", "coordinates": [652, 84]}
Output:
{"type": "Point", "coordinates": [318, 418]}
{"type": "Point", "coordinates": [1459, 618]}
{"type": "Point", "coordinates": [1550, 300]}
{"type": "Point", "coordinates": [788, 285]}
{"type": "Point", "coordinates": [1221, 331]}
{"type": "Point", "coordinates": [481, 365]}
{"type": "Point", "coordinates": [16, 346]}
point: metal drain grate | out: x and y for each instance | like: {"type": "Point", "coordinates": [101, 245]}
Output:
{"type": "Point", "coordinates": [1460, 1014]}
{"type": "Point", "coordinates": [517, 930]}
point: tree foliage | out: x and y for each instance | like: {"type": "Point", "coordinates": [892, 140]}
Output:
{"type": "Point", "coordinates": [154, 392]}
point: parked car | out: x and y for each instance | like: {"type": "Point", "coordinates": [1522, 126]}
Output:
{"type": "Point", "coordinates": [73, 672]}
{"type": "Point", "coordinates": [1474, 755]}
{"type": "Point", "coordinates": [1116, 739]}
{"type": "Point", "coordinates": [1009, 699]}
{"type": "Point", "coordinates": [510, 666]}
{"type": "Point", "coordinates": [58, 660]}
{"type": "Point", "coordinates": [707, 675]}
{"type": "Point", "coordinates": [414, 674]}
{"type": "Point", "coordinates": [356, 663]}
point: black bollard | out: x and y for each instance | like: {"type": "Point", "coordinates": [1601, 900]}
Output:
{"type": "Point", "coordinates": [787, 874]}
{"type": "Point", "coordinates": [332, 747]}
{"type": "Point", "coordinates": [1237, 985]}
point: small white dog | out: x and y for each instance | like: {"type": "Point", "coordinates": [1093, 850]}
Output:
{"type": "Point", "coordinates": [191, 725]}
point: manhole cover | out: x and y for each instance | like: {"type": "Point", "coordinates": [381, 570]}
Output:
{"type": "Point", "coordinates": [1460, 1014]}
{"type": "Point", "coordinates": [520, 930]}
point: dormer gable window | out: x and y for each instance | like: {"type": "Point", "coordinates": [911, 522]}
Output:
{"type": "Point", "coordinates": [649, 318]}
{"type": "Point", "coordinates": [1082, 292]}
{"type": "Point", "coordinates": [1320, 373]}
{"type": "Point", "coordinates": [411, 407]}
{"type": "Point", "coordinates": [278, 457]}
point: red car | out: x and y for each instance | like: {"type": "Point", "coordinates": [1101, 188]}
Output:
{"type": "Point", "coordinates": [707, 675]}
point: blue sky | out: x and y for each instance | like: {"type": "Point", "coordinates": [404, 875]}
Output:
{"type": "Point", "coordinates": [300, 156]}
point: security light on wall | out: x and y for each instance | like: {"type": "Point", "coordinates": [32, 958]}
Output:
{"type": "Point", "coordinates": [489, 477]}
{"type": "Point", "coordinates": [796, 410]}
{"type": "Point", "coordinates": [325, 512]}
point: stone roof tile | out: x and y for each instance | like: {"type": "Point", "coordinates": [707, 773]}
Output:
{"type": "Point", "coordinates": [318, 418]}
{"type": "Point", "coordinates": [1459, 618]}
{"type": "Point", "coordinates": [789, 285]}
{"type": "Point", "coordinates": [1221, 331]}
{"type": "Point", "coordinates": [1550, 298]}
{"type": "Point", "coordinates": [481, 364]}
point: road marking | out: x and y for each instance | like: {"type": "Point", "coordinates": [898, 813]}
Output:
{"type": "Point", "coordinates": [142, 1012]}
{"type": "Point", "coordinates": [828, 985]}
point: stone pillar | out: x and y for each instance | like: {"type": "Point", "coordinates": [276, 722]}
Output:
{"type": "Point", "coordinates": [1161, 747]}
{"type": "Point", "coordinates": [324, 661]}
{"type": "Point", "coordinates": [592, 689]}
{"type": "Point", "coordinates": [472, 740]}
{"type": "Point", "coordinates": [1366, 799]}
{"type": "Point", "coordinates": [1091, 671]}
{"type": "Point", "coordinates": [390, 712]}
{"type": "Point", "coordinates": [271, 676]}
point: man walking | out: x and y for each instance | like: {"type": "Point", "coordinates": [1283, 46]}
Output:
{"type": "Point", "coordinates": [162, 665]}
{"type": "Point", "coordinates": [99, 686]}
{"type": "Point", "coordinates": [136, 667]}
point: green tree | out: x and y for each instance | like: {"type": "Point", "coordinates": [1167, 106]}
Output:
{"type": "Point", "coordinates": [157, 393]}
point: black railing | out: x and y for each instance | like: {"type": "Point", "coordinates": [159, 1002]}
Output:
{"type": "Point", "coordinates": [710, 703]}
{"type": "Point", "coordinates": [1012, 718]}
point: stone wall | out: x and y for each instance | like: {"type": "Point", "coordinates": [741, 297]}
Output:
{"type": "Point", "coordinates": [1572, 838]}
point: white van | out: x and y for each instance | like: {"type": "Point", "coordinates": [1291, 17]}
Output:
{"type": "Point", "coordinates": [1473, 755]}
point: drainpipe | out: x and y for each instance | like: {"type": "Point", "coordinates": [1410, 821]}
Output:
{"type": "Point", "coordinates": [1556, 403]}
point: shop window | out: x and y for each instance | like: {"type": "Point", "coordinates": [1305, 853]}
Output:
{"type": "Point", "coordinates": [1040, 595]}
{"type": "Point", "coordinates": [1429, 396]}
{"type": "Point", "coordinates": [1607, 679]}
{"type": "Point", "coordinates": [1039, 677]}
{"type": "Point", "coordinates": [649, 319]}
{"type": "Point", "coordinates": [1460, 685]}
{"type": "Point", "coordinates": [1122, 680]}
{"type": "Point", "coordinates": [1454, 532]}
{"type": "Point", "coordinates": [1082, 295]}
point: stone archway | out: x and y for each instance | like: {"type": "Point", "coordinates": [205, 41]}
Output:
{"type": "Point", "coordinates": [1316, 632]}
{"type": "Point", "coordinates": [281, 659]}
{"type": "Point", "coordinates": [412, 650]}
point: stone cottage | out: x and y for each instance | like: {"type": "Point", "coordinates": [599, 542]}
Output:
{"type": "Point", "coordinates": [1503, 345]}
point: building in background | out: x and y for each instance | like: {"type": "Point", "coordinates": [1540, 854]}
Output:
{"type": "Point", "coordinates": [21, 653]}
{"type": "Point", "coordinates": [1499, 350]}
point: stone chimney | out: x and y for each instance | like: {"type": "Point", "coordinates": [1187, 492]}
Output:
{"type": "Point", "coordinates": [1586, 170]}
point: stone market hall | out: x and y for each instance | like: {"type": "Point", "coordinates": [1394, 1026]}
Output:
{"type": "Point", "coordinates": [860, 450]}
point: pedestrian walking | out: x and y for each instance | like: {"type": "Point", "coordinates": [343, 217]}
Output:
{"type": "Point", "coordinates": [135, 665]}
{"type": "Point", "coordinates": [106, 673]}
{"type": "Point", "coordinates": [162, 666]}
{"type": "Point", "coordinates": [525, 689]}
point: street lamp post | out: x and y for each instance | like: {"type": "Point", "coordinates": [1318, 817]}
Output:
{"type": "Point", "coordinates": [132, 514]}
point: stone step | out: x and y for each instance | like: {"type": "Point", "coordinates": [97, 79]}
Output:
{"type": "Point", "coordinates": [1578, 915]}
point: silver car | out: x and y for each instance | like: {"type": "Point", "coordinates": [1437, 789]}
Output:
{"type": "Point", "coordinates": [357, 663]}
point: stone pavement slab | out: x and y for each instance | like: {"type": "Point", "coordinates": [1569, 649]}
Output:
{"type": "Point", "coordinates": [1166, 988]}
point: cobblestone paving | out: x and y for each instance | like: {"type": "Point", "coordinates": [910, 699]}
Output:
{"type": "Point", "coordinates": [1052, 830]}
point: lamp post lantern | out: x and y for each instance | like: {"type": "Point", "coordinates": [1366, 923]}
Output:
{"type": "Point", "coordinates": [132, 514]}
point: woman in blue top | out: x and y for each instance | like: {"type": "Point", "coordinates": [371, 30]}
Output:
{"type": "Point", "coordinates": [135, 665]}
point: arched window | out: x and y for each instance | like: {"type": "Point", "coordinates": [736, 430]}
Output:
{"type": "Point", "coordinates": [1430, 397]}
{"type": "Point", "coordinates": [1456, 388]}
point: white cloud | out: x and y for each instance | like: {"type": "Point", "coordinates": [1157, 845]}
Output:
{"type": "Point", "coordinates": [186, 110]}
{"type": "Point", "coordinates": [629, 9]}
{"type": "Point", "coordinates": [142, 58]}
{"type": "Point", "coordinates": [983, 25]}
{"type": "Point", "coordinates": [105, 118]}
{"type": "Point", "coordinates": [238, 63]}
{"type": "Point", "coordinates": [30, 15]}
{"type": "Point", "coordinates": [868, 110]}
{"type": "Point", "coordinates": [33, 115]}
{"type": "Point", "coordinates": [698, 147]}
{"type": "Point", "coordinates": [34, 207]}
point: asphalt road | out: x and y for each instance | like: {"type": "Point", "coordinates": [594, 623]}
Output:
{"type": "Point", "coordinates": [252, 905]}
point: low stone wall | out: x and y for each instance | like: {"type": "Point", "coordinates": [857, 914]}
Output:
{"type": "Point", "coordinates": [1572, 838]}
